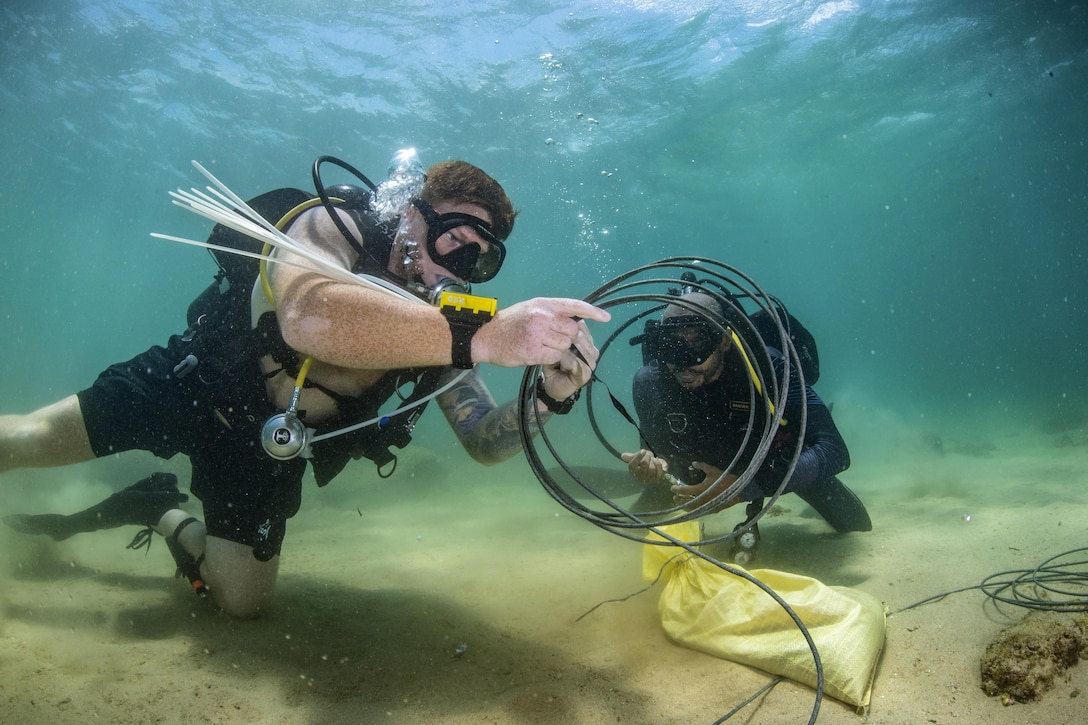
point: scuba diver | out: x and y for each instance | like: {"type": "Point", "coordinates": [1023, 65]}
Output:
{"type": "Point", "coordinates": [694, 403]}
{"type": "Point", "coordinates": [270, 360]}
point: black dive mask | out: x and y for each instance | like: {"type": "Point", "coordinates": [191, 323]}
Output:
{"type": "Point", "coordinates": [468, 261]}
{"type": "Point", "coordinates": [681, 341]}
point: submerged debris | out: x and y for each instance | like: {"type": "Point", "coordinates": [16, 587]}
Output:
{"type": "Point", "coordinates": [1023, 661]}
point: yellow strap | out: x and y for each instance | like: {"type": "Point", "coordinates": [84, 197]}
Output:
{"type": "Point", "coordinates": [752, 373]}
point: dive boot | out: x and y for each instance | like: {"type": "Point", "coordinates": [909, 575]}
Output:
{"type": "Point", "coordinates": [143, 503]}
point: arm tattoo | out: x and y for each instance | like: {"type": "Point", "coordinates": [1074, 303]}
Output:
{"type": "Point", "coordinates": [489, 432]}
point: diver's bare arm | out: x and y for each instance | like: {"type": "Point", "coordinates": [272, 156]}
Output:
{"type": "Point", "coordinates": [353, 326]}
{"type": "Point", "coordinates": [489, 432]}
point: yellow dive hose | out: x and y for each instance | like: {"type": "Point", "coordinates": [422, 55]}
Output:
{"type": "Point", "coordinates": [282, 224]}
{"type": "Point", "coordinates": [752, 374]}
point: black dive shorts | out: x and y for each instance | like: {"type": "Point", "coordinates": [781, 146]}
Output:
{"type": "Point", "coordinates": [213, 414]}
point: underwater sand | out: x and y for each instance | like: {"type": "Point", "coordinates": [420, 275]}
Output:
{"type": "Point", "coordinates": [382, 581]}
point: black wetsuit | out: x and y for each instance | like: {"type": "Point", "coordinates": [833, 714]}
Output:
{"type": "Point", "coordinates": [204, 395]}
{"type": "Point", "coordinates": [214, 414]}
{"type": "Point", "coordinates": [711, 424]}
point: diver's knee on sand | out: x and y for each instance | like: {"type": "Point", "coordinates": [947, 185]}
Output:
{"type": "Point", "coordinates": [838, 505]}
{"type": "Point", "coordinates": [239, 584]}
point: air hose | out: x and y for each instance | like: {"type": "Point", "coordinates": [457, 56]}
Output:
{"type": "Point", "coordinates": [644, 292]}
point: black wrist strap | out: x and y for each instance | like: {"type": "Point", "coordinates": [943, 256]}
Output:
{"type": "Point", "coordinates": [559, 407]}
{"type": "Point", "coordinates": [465, 314]}
{"type": "Point", "coordinates": [462, 333]}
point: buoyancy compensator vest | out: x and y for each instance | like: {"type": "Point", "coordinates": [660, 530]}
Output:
{"type": "Point", "coordinates": [220, 326]}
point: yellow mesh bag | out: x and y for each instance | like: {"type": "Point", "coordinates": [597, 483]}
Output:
{"type": "Point", "coordinates": [708, 609]}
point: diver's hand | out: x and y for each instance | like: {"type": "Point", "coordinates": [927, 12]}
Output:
{"type": "Point", "coordinates": [574, 368]}
{"type": "Point", "coordinates": [700, 494]}
{"type": "Point", "coordinates": [539, 331]}
{"type": "Point", "coordinates": [645, 467]}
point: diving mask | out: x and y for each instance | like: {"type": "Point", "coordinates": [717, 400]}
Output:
{"type": "Point", "coordinates": [468, 261]}
{"type": "Point", "coordinates": [682, 341]}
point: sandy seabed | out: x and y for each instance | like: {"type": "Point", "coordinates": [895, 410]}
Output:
{"type": "Point", "coordinates": [383, 581]}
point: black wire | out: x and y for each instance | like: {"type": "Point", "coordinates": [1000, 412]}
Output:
{"type": "Point", "coordinates": [774, 390]}
{"type": "Point", "coordinates": [1024, 585]}
{"type": "Point", "coordinates": [766, 688]}
{"type": "Point", "coordinates": [619, 520]}
{"type": "Point", "coordinates": [632, 595]}
{"type": "Point", "coordinates": [610, 520]}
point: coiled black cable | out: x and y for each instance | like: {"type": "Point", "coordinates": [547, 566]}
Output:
{"type": "Point", "coordinates": [1058, 584]}
{"type": "Point", "coordinates": [649, 289]}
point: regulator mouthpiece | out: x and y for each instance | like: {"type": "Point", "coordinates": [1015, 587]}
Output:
{"type": "Point", "coordinates": [445, 284]}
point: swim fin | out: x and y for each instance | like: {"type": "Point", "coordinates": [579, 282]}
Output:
{"type": "Point", "coordinates": [143, 503]}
